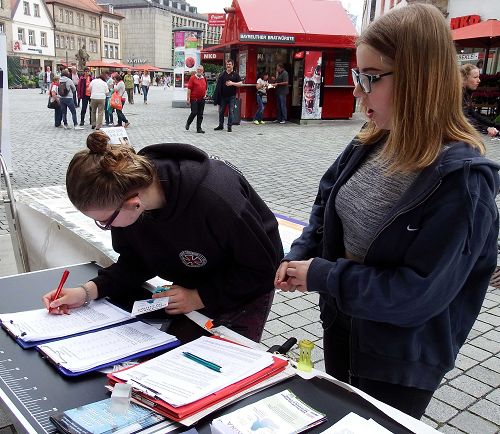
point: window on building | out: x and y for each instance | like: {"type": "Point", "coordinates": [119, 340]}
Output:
{"type": "Point", "coordinates": [106, 51]}
{"type": "Point", "coordinates": [71, 17]}
{"type": "Point", "coordinates": [116, 52]}
{"type": "Point", "coordinates": [31, 37]}
{"type": "Point", "coordinates": [36, 10]}
{"type": "Point", "coordinates": [116, 31]}
{"type": "Point", "coordinates": [67, 42]}
{"type": "Point", "coordinates": [2, 27]}
{"type": "Point", "coordinates": [43, 39]}
{"type": "Point", "coordinates": [26, 7]}
{"type": "Point", "coordinates": [20, 35]}
{"type": "Point", "coordinates": [61, 15]}
{"type": "Point", "coordinates": [72, 43]}
{"type": "Point", "coordinates": [66, 16]}
{"type": "Point", "coordinates": [105, 30]}
{"type": "Point", "coordinates": [93, 23]}
{"type": "Point", "coordinates": [83, 20]}
{"type": "Point", "coordinates": [57, 41]}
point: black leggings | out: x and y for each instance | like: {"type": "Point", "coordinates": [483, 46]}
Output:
{"type": "Point", "coordinates": [409, 400]}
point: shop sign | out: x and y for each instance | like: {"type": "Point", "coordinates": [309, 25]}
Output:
{"type": "Point", "coordinates": [341, 69]}
{"type": "Point", "coordinates": [212, 56]}
{"type": "Point", "coordinates": [270, 39]}
{"type": "Point", "coordinates": [466, 20]}
{"type": "Point", "coordinates": [216, 20]}
{"type": "Point", "coordinates": [36, 50]}
{"type": "Point", "coordinates": [467, 57]}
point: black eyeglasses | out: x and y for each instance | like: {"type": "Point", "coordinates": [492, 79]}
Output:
{"type": "Point", "coordinates": [366, 80]}
{"type": "Point", "coordinates": [106, 226]}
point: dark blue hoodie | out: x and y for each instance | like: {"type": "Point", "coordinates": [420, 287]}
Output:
{"type": "Point", "coordinates": [416, 296]}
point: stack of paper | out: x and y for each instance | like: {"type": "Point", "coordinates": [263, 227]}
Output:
{"type": "Point", "coordinates": [178, 386]}
{"type": "Point", "coordinates": [282, 413]}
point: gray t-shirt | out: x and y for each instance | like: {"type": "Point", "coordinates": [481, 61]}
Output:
{"type": "Point", "coordinates": [282, 77]}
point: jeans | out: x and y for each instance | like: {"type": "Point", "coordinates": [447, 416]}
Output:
{"type": "Point", "coordinates": [260, 108]}
{"type": "Point", "coordinates": [119, 114]}
{"type": "Point", "coordinates": [68, 103]}
{"type": "Point", "coordinates": [57, 115]}
{"type": "Point", "coordinates": [145, 90]}
{"type": "Point", "coordinates": [130, 95]}
{"type": "Point", "coordinates": [197, 109]}
{"type": "Point", "coordinates": [108, 115]}
{"type": "Point", "coordinates": [281, 104]}
{"type": "Point", "coordinates": [225, 101]}
{"type": "Point", "coordinates": [137, 88]}
{"type": "Point", "coordinates": [83, 111]}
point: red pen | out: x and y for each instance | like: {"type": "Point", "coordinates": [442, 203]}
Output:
{"type": "Point", "coordinates": [61, 284]}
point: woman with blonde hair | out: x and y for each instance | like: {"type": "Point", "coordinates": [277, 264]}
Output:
{"type": "Point", "coordinates": [470, 77]}
{"type": "Point", "coordinates": [176, 213]}
{"type": "Point", "coordinates": [402, 237]}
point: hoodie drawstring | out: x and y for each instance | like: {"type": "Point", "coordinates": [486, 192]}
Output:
{"type": "Point", "coordinates": [468, 208]}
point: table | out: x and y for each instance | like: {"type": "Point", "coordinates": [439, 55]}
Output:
{"type": "Point", "coordinates": [32, 390]}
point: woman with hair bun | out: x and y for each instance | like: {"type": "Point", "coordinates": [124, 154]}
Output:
{"type": "Point", "coordinates": [177, 213]}
{"type": "Point", "coordinates": [402, 237]}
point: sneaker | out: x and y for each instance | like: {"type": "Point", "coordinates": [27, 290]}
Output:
{"type": "Point", "coordinates": [126, 124]}
{"type": "Point", "coordinates": [229, 128]}
{"type": "Point", "coordinates": [275, 121]}
{"type": "Point", "coordinates": [78, 127]}
{"type": "Point", "coordinates": [200, 131]}
{"type": "Point", "coordinates": [65, 126]}
{"type": "Point", "coordinates": [187, 126]}
{"type": "Point", "coordinates": [262, 123]}
{"type": "Point", "coordinates": [81, 124]}
{"type": "Point", "coordinates": [59, 126]}
{"type": "Point", "coordinates": [219, 128]}
{"type": "Point", "coordinates": [282, 122]}
{"type": "Point", "coordinates": [256, 122]}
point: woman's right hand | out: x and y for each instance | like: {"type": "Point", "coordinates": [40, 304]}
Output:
{"type": "Point", "coordinates": [281, 279]}
{"type": "Point", "coordinates": [69, 298]}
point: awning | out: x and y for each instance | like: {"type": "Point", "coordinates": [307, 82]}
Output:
{"type": "Point", "coordinates": [146, 67]}
{"type": "Point", "coordinates": [102, 64]}
{"type": "Point", "coordinates": [485, 34]}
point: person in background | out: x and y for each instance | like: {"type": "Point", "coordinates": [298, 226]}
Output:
{"type": "Point", "coordinates": [402, 237]}
{"type": "Point", "coordinates": [197, 90]}
{"type": "Point", "coordinates": [225, 95]}
{"type": "Point", "coordinates": [53, 92]}
{"type": "Point", "coordinates": [145, 83]}
{"type": "Point", "coordinates": [41, 81]}
{"type": "Point", "coordinates": [177, 213]}
{"type": "Point", "coordinates": [262, 83]}
{"type": "Point", "coordinates": [470, 77]}
{"type": "Point", "coordinates": [47, 79]}
{"type": "Point", "coordinates": [281, 93]}
{"type": "Point", "coordinates": [84, 93]}
{"type": "Point", "coordinates": [119, 87]}
{"type": "Point", "coordinates": [137, 82]}
{"type": "Point", "coordinates": [76, 78]}
{"type": "Point", "coordinates": [98, 93]}
{"type": "Point", "coordinates": [108, 111]}
{"type": "Point", "coordinates": [129, 86]}
{"type": "Point", "coordinates": [65, 90]}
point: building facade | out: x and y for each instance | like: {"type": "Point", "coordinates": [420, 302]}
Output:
{"type": "Point", "coordinates": [147, 29]}
{"type": "Point", "coordinates": [111, 32]}
{"type": "Point", "coordinates": [31, 35]}
{"type": "Point", "coordinates": [6, 20]}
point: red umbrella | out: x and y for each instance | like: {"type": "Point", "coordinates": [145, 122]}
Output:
{"type": "Point", "coordinates": [485, 34]}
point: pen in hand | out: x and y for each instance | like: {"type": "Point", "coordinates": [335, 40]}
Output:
{"type": "Point", "coordinates": [206, 363]}
{"type": "Point", "coordinates": [60, 287]}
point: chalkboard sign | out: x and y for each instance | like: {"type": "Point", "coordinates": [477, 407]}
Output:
{"type": "Point", "coordinates": [341, 68]}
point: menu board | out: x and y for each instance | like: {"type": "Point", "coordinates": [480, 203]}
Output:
{"type": "Point", "coordinates": [341, 68]}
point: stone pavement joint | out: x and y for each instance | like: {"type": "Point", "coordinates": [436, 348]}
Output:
{"type": "Point", "coordinates": [284, 163]}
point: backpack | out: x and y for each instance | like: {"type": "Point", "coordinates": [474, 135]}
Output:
{"type": "Point", "coordinates": [63, 90]}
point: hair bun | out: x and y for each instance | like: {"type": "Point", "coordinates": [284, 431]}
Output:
{"type": "Point", "coordinates": [98, 142]}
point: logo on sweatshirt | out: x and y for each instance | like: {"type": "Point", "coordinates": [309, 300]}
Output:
{"type": "Point", "coordinates": [192, 259]}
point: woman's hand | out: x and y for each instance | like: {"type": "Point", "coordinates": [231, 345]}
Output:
{"type": "Point", "coordinates": [181, 300]}
{"type": "Point", "coordinates": [281, 279]}
{"type": "Point", "coordinates": [69, 298]}
{"type": "Point", "coordinates": [492, 131]}
{"type": "Point", "coordinates": [297, 275]}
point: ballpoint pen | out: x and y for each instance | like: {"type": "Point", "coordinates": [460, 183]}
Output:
{"type": "Point", "coordinates": [60, 287]}
{"type": "Point", "coordinates": [206, 363]}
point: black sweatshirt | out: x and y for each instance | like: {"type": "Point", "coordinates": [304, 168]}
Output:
{"type": "Point", "coordinates": [215, 234]}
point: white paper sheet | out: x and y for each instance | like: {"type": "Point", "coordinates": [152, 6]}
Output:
{"type": "Point", "coordinates": [150, 305]}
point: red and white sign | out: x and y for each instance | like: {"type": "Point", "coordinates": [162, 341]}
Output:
{"type": "Point", "coordinates": [466, 20]}
{"type": "Point", "coordinates": [212, 56]}
{"type": "Point", "coordinates": [216, 20]}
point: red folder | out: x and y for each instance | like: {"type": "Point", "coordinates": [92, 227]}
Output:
{"type": "Point", "coordinates": [179, 413]}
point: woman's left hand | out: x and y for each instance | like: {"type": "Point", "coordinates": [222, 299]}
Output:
{"type": "Point", "coordinates": [181, 300]}
{"type": "Point", "coordinates": [297, 272]}
{"type": "Point", "coordinates": [492, 131]}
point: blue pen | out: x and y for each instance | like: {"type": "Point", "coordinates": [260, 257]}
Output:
{"type": "Point", "coordinates": [206, 363]}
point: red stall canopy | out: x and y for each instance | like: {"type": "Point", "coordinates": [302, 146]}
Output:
{"type": "Point", "coordinates": [102, 64]}
{"type": "Point", "coordinates": [317, 23]}
{"type": "Point", "coordinates": [485, 34]}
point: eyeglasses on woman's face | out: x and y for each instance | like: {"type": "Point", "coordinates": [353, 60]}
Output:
{"type": "Point", "coordinates": [366, 80]}
{"type": "Point", "coordinates": [106, 225]}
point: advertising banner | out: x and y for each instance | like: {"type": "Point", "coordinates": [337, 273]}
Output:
{"type": "Point", "coordinates": [312, 85]}
{"type": "Point", "coordinates": [216, 20]}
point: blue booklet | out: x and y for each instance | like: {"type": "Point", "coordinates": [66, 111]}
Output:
{"type": "Point", "coordinates": [99, 418]}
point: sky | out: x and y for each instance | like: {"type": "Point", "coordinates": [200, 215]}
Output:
{"type": "Point", "coordinates": [353, 6]}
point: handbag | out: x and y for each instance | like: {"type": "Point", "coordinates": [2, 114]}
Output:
{"type": "Point", "coordinates": [52, 103]}
{"type": "Point", "coordinates": [263, 96]}
{"type": "Point", "coordinates": [116, 101]}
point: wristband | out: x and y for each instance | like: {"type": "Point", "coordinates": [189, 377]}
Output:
{"type": "Point", "coordinates": [87, 296]}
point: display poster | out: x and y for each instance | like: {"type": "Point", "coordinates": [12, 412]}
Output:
{"type": "Point", "coordinates": [341, 71]}
{"type": "Point", "coordinates": [242, 62]}
{"type": "Point", "coordinates": [178, 80]}
{"type": "Point", "coordinates": [4, 105]}
{"type": "Point", "coordinates": [187, 76]}
{"type": "Point", "coordinates": [312, 86]}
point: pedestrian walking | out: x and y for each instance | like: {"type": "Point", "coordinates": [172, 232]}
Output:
{"type": "Point", "coordinates": [196, 92]}
{"type": "Point", "coordinates": [145, 83]}
{"type": "Point", "coordinates": [66, 90]}
{"type": "Point", "coordinates": [402, 237]}
{"type": "Point", "coordinates": [54, 95]}
{"type": "Point", "coordinates": [108, 111]}
{"type": "Point", "coordinates": [119, 87]}
{"type": "Point", "coordinates": [225, 95]}
{"type": "Point", "coordinates": [98, 93]}
{"type": "Point", "coordinates": [41, 81]}
{"type": "Point", "coordinates": [137, 83]}
{"type": "Point", "coordinates": [47, 79]}
{"type": "Point", "coordinates": [281, 93]}
{"type": "Point", "coordinates": [76, 78]}
{"type": "Point", "coordinates": [84, 93]}
{"type": "Point", "coordinates": [262, 83]}
{"type": "Point", "coordinates": [129, 86]}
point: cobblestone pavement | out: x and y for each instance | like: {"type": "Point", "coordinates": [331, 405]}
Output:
{"type": "Point", "coordinates": [284, 164]}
